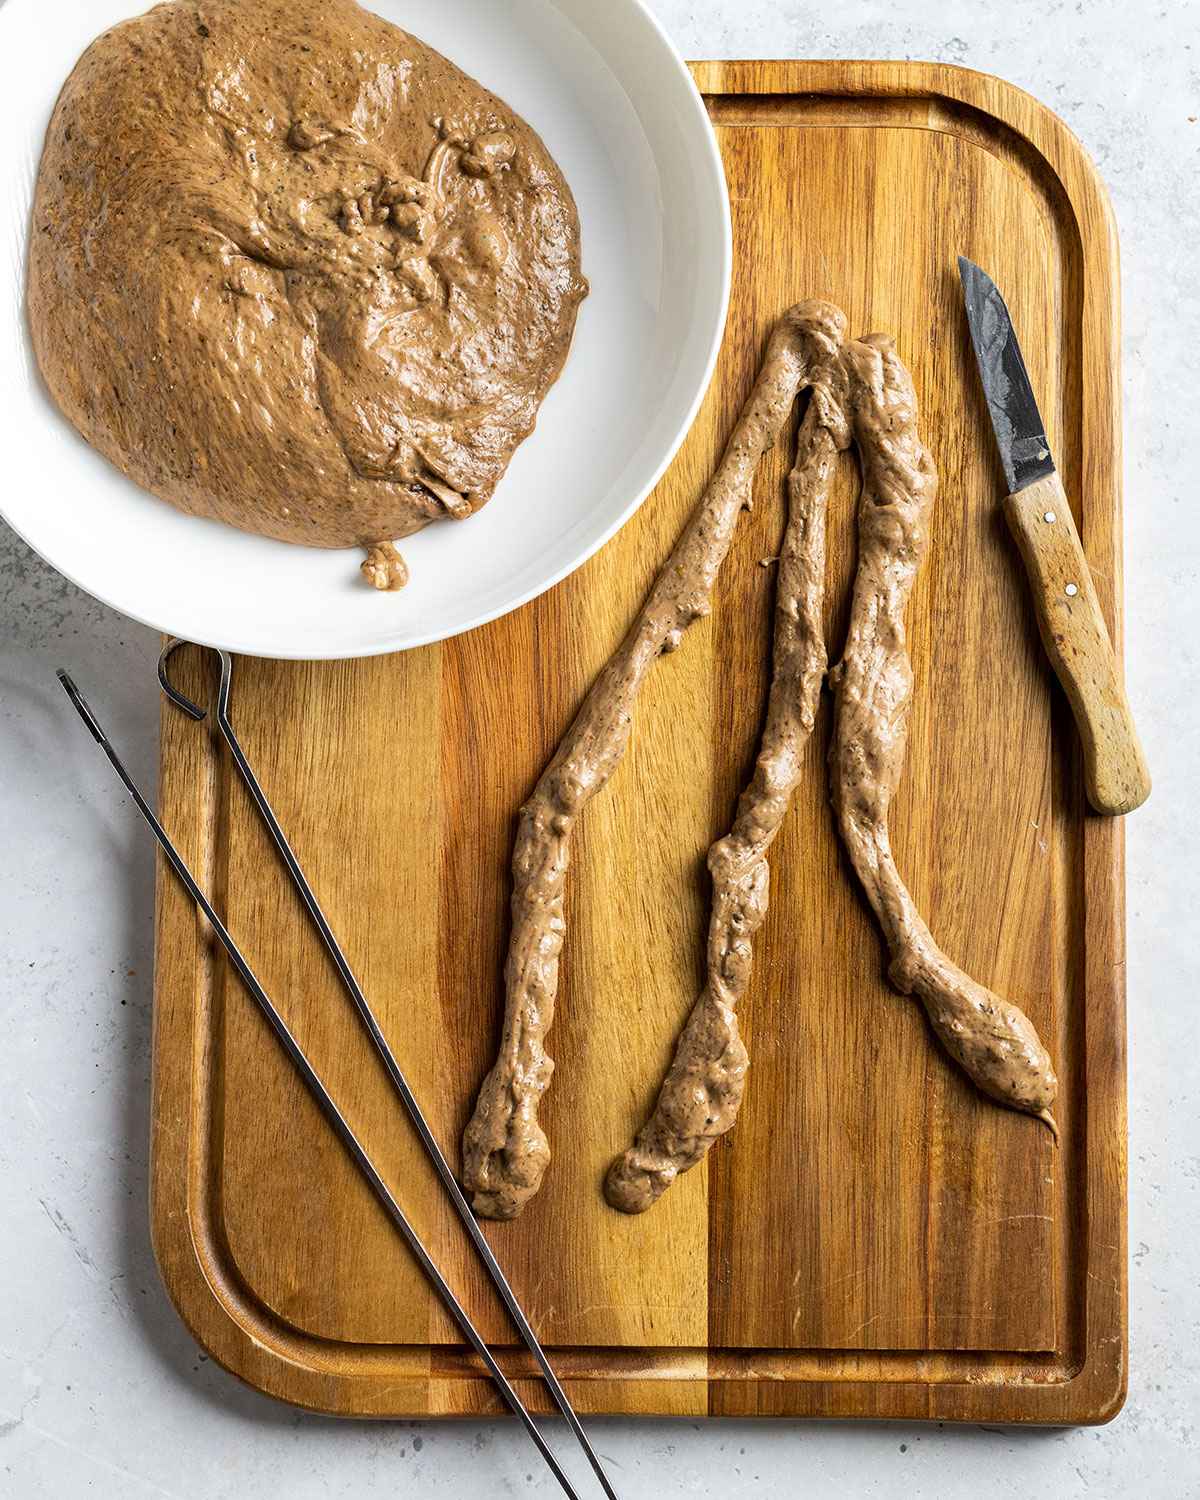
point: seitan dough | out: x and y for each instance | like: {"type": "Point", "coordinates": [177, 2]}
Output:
{"type": "Point", "coordinates": [860, 393]}
{"type": "Point", "coordinates": [865, 396]}
{"type": "Point", "coordinates": [505, 1151]}
{"type": "Point", "coordinates": [993, 1041]}
{"type": "Point", "coordinates": [702, 1092]}
{"type": "Point", "coordinates": [293, 270]}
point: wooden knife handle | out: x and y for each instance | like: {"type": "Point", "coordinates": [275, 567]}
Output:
{"type": "Point", "coordinates": [1073, 631]}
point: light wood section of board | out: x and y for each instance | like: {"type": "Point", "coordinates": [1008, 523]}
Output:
{"type": "Point", "coordinates": [1115, 775]}
{"type": "Point", "coordinates": [875, 1237]}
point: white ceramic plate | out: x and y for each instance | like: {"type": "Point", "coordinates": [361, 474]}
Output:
{"type": "Point", "coordinates": [617, 108]}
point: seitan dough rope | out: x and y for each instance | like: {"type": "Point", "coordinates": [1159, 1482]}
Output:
{"type": "Point", "coordinates": [505, 1152]}
{"type": "Point", "coordinates": [702, 1092]}
{"type": "Point", "coordinates": [993, 1041]}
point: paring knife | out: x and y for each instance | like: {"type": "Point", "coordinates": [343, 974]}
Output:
{"type": "Point", "coordinates": [1039, 514]}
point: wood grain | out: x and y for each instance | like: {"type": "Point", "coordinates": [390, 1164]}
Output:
{"type": "Point", "coordinates": [874, 1238]}
{"type": "Point", "coordinates": [1115, 775]}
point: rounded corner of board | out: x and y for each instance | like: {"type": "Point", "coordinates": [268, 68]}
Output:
{"type": "Point", "coordinates": [195, 1300]}
{"type": "Point", "coordinates": [216, 1315]}
{"type": "Point", "coordinates": [1097, 1393]}
{"type": "Point", "coordinates": [1045, 130]}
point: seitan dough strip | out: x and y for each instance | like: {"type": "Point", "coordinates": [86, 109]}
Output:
{"type": "Point", "coordinates": [993, 1041]}
{"type": "Point", "coordinates": [702, 1092]}
{"type": "Point", "coordinates": [505, 1152]}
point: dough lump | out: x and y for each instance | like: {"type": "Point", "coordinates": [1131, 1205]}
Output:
{"type": "Point", "coordinates": [293, 270]}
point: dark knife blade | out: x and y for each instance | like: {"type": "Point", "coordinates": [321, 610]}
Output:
{"type": "Point", "coordinates": [1016, 421]}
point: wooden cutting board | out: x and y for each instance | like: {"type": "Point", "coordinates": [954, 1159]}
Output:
{"type": "Point", "coordinates": [874, 1238]}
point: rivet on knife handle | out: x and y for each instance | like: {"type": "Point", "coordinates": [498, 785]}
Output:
{"type": "Point", "coordinates": [1068, 611]}
{"type": "Point", "coordinates": [1076, 641]}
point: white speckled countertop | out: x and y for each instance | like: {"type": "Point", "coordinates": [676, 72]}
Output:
{"type": "Point", "coordinates": [101, 1390]}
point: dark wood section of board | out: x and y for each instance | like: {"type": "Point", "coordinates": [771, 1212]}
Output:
{"type": "Point", "coordinates": [874, 1238]}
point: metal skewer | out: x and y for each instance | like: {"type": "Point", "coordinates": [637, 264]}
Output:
{"type": "Point", "coordinates": [308, 1073]}
{"type": "Point", "coordinates": [375, 1031]}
